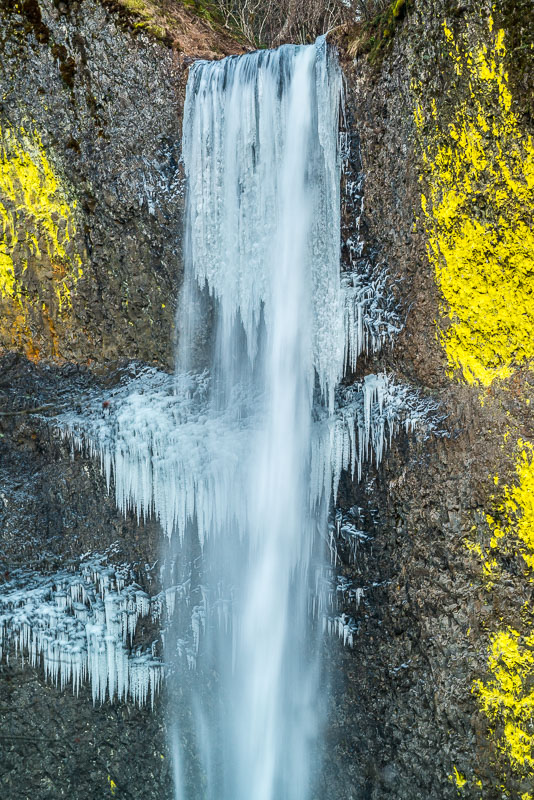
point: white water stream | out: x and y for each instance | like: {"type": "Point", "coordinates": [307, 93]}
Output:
{"type": "Point", "coordinates": [240, 453]}
{"type": "Point", "coordinates": [261, 157]}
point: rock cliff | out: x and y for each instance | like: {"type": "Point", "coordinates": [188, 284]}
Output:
{"type": "Point", "coordinates": [434, 699]}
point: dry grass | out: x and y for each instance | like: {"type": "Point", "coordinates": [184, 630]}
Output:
{"type": "Point", "coordinates": [194, 28]}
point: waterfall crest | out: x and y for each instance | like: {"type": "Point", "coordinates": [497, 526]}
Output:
{"type": "Point", "coordinates": [260, 148]}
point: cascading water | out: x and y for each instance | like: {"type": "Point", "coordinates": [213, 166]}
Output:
{"type": "Point", "coordinates": [261, 158]}
{"type": "Point", "coordinates": [238, 454]}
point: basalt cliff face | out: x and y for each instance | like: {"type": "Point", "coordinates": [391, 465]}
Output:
{"type": "Point", "coordinates": [441, 664]}
{"type": "Point", "coordinates": [434, 699]}
{"type": "Point", "coordinates": [91, 184]}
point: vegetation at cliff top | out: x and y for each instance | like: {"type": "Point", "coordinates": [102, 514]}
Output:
{"type": "Point", "coordinates": [374, 33]}
{"type": "Point", "coordinates": [269, 23]}
{"type": "Point", "coordinates": [163, 18]}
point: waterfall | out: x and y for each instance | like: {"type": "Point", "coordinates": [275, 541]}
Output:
{"type": "Point", "coordinates": [240, 452]}
{"type": "Point", "coordinates": [262, 268]}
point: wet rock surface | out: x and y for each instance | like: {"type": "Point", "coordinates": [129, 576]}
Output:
{"type": "Point", "coordinates": [407, 723]}
{"type": "Point", "coordinates": [107, 106]}
{"type": "Point", "coordinates": [55, 744]}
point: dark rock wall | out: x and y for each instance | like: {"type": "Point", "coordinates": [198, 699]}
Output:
{"type": "Point", "coordinates": [428, 709]}
{"type": "Point", "coordinates": [91, 117]}
{"type": "Point", "coordinates": [54, 507]}
{"type": "Point", "coordinates": [102, 107]}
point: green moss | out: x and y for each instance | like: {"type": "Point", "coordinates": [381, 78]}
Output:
{"type": "Point", "coordinates": [374, 37]}
{"type": "Point", "coordinates": [136, 7]}
{"type": "Point", "coordinates": [157, 31]}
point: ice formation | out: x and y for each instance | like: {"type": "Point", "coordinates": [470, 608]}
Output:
{"type": "Point", "coordinates": [240, 453]}
{"type": "Point", "coordinates": [370, 413]}
{"type": "Point", "coordinates": [246, 134]}
{"type": "Point", "coordinates": [370, 312]}
{"type": "Point", "coordinates": [168, 452]}
{"type": "Point", "coordinates": [371, 319]}
{"type": "Point", "coordinates": [170, 457]}
{"type": "Point", "coordinates": [348, 530]}
{"type": "Point", "coordinates": [80, 626]}
{"type": "Point", "coordinates": [367, 415]}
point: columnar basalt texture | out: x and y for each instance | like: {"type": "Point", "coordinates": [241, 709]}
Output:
{"type": "Point", "coordinates": [432, 702]}
{"type": "Point", "coordinates": [436, 701]}
{"type": "Point", "coordinates": [92, 193]}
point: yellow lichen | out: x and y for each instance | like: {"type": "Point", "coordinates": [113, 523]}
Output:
{"type": "Point", "coordinates": [507, 696]}
{"type": "Point", "coordinates": [37, 226]}
{"type": "Point", "coordinates": [397, 7]}
{"type": "Point", "coordinates": [459, 779]}
{"type": "Point", "coordinates": [515, 520]}
{"type": "Point", "coordinates": [490, 567]}
{"type": "Point", "coordinates": [478, 218]}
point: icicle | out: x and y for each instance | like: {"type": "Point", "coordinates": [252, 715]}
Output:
{"type": "Point", "coordinates": [76, 624]}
